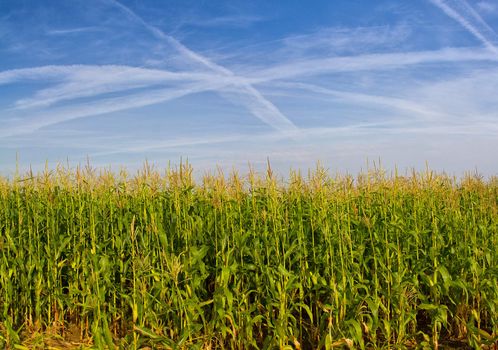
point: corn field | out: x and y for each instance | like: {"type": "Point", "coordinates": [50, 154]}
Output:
{"type": "Point", "coordinates": [158, 260]}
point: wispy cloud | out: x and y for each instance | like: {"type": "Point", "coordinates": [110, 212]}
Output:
{"type": "Point", "coordinates": [415, 110]}
{"type": "Point", "coordinates": [471, 21]}
{"type": "Point", "coordinates": [369, 62]}
{"type": "Point", "coordinates": [85, 81]}
{"type": "Point", "coordinates": [353, 90]}
{"type": "Point", "coordinates": [36, 73]}
{"type": "Point", "coordinates": [473, 97]}
{"type": "Point", "coordinates": [73, 30]}
{"type": "Point", "coordinates": [237, 21]}
{"type": "Point", "coordinates": [54, 116]}
{"type": "Point", "coordinates": [179, 142]}
{"type": "Point", "coordinates": [276, 144]}
{"type": "Point", "coordinates": [340, 40]}
{"type": "Point", "coordinates": [327, 41]}
{"type": "Point", "coordinates": [487, 7]}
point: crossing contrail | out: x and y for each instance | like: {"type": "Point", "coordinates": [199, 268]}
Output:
{"type": "Point", "coordinates": [256, 103]}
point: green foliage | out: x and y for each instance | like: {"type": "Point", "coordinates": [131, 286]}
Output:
{"type": "Point", "coordinates": [249, 262]}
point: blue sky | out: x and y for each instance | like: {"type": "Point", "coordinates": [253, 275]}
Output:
{"type": "Point", "coordinates": [227, 83]}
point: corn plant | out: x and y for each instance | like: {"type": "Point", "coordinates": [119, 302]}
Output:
{"type": "Point", "coordinates": [248, 262]}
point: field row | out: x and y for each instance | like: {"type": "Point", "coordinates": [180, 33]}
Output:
{"type": "Point", "coordinates": [237, 262]}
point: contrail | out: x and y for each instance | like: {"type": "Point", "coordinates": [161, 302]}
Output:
{"type": "Point", "coordinates": [91, 80]}
{"type": "Point", "coordinates": [393, 102]}
{"type": "Point", "coordinates": [466, 23]}
{"type": "Point", "coordinates": [368, 62]}
{"type": "Point", "coordinates": [267, 112]}
{"type": "Point", "coordinates": [109, 105]}
{"type": "Point", "coordinates": [476, 16]}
